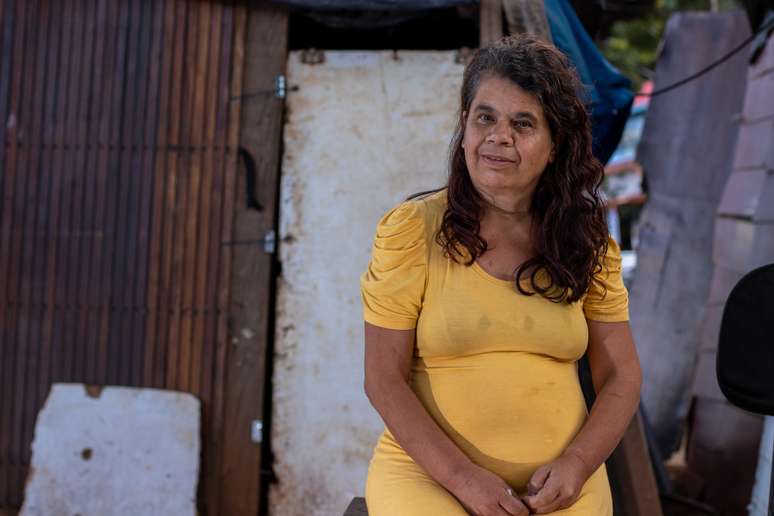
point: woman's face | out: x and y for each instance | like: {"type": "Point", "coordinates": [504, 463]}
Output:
{"type": "Point", "coordinates": [507, 141]}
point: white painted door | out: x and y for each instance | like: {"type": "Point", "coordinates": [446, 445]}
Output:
{"type": "Point", "coordinates": [363, 131]}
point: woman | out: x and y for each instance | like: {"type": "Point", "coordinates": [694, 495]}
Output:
{"type": "Point", "coordinates": [481, 297]}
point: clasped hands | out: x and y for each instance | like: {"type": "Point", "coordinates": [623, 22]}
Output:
{"type": "Point", "coordinates": [553, 486]}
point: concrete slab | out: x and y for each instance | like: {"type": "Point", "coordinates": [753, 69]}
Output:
{"type": "Point", "coordinates": [114, 451]}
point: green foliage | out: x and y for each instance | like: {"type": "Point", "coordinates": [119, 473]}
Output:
{"type": "Point", "coordinates": [632, 45]}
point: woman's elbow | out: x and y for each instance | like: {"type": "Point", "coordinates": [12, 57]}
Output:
{"type": "Point", "coordinates": [372, 386]}
{"type": "Point", "coordinates": [377, 385]}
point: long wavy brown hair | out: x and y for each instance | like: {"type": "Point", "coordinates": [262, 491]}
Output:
{"type": "Point", "coordinates": [569, 232]}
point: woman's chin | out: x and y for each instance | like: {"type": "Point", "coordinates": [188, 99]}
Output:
{"type": "Point", "coordinates": [497, 182]}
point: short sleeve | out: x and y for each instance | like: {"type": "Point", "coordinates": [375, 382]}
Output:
{"type": "Point", "coordinates": [607, 299]}
{"type": "Point", "coordinates": [393, 286]}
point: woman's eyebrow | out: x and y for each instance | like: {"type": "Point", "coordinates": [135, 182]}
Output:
{"type": "Point", "coordinates": [513, 116]}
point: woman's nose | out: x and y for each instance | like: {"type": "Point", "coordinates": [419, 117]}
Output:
{"type": "Point", "coordinates": [500, 134]}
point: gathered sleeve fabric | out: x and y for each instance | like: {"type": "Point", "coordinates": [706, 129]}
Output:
{"type": "Point", "coordinates": [393, 286]}
{"type": "Point", "coordinates": [607, 299]}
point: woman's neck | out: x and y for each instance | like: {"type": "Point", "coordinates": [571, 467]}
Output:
{"type": "Point", "coordinates": [508, 204]}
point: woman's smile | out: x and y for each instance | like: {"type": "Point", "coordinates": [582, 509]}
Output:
{"type": "Point", "coordinates": [496, 162]}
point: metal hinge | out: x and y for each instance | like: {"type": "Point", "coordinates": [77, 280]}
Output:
{"type": "Point", "coordinates": [256, 431]}
{"type": "Point", "coordinates": [280, 90]}
{"type": "Point", "coordinates": [279, 87]}
{"type": "Point", "coordinates": [269, 242]}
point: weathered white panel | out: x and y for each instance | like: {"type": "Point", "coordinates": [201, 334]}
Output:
{"type": "Point", "coordinates": [364, 130]}
{"type": "Point", "coordinates": [117, 451]}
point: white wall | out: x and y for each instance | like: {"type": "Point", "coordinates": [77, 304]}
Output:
{"type": "Point", "coordinates": [363, 131]}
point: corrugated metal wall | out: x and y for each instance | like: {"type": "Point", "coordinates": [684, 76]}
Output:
{"type": "Point", "coordinates": [118, 126]}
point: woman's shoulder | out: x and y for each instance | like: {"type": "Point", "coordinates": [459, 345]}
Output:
{"type": "Point", "coordinates": [417, 218]}
{"type": "Point", "coordinates": [427, 208]}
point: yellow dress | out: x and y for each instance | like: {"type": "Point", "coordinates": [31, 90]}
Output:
{"type": "Point", "coordinates": [494, 368]}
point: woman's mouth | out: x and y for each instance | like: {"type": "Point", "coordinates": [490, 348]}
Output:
{"type": "Point", "coordinates": [496, 161]}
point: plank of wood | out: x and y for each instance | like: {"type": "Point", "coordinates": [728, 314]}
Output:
{"type": "Point", "coordinates": [236, 21]}
{"type": "Point", "coordinates": [190, 340]}
{"type": "Point", "coordinates": [527, 16]}
{"type": "Point", "coordinates": [83, 194]}
{"type": "Point", "coordinates": [251, 279]}
{"type": "Point", "coordinates": [72, 192]}
{"type": "Point", "coordinates": [490, 21]}
{"type": "Point", "coordinates": [110, 318]}
{"type": "Point", "coordinates": [630, 464]}
{"type": "Point", "coordinates": [140, 109]}
{"type": "Point", "coordinates": [213, 376]}
{"type": "Point", "coordinates": [18, 319]}
{"type": "Point", "coordinates": [33, 246]}
{"type": "Point", "coordinates": [110, 36]}
{"type": "Point", "coordinates": [145, 139]}
{"type": "Point", "coordinates": [153, 370]}
{"type": "Point", "coordinates": [13, 35]}
{"type": "Point", "coordinates": [123, 281]}
{"type": "Point", "coordinates": [87, 294]}
{"type": "Point", "coordinates": [172, 233]}
{"type": "Point", "coordinates": [47, 218]}
{"type": "Point", "coordinates": [201, 368]}
{"type": "Point", "coordinates": [52, 337]}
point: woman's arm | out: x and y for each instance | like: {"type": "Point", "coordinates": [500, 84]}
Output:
{"type": "Point", "coordinates": [615, 371]}
{"type": "Point", "coordinates": [388, 356]}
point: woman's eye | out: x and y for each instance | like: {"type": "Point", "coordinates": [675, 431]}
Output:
{"type": "Point", "coordinates": [484, 118]}
{"type": "Point", "coordinates": [523, 124]}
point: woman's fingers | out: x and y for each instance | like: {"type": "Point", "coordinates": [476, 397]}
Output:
{"type": "Point", "coordinates": [538, 479]}
{"type": "Point", "coordinates": [513, 505]}
{"type": "Point", "coordinates": [545, 497]}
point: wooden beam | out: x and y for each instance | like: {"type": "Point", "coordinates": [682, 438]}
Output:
{"type": "Point", "coordinates": [527, 16]}
{"type": "Point", "coordinates": [251, 278]}
{"type": "Point", "coordinates": [631, 467]}
{"type": "Point", "coordinates": [490, 21]}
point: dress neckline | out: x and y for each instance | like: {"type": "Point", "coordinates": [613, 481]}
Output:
{"type": "Point", "coordinates": [490, 277]}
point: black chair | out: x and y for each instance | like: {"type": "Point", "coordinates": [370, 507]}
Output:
{"type": "Point", "coordinates": [745, 359]}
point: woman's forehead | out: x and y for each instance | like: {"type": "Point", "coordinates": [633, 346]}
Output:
{"type": "Point", "coordinates": [504, 96]}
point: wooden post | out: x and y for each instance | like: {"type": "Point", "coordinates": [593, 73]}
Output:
{"type": "Point", "coordinates": [251, 277]}
{"type": "Point", "coordinates": [490, 21]}
{"type": "Point", "coordinates": [527, 16]}
{"type": "Point", "coordinates": [631, 467]}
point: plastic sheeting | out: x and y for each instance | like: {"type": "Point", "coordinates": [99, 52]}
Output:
{"type": "Point", "coordinates": [609, 91]}
{"type": "Point", "coordinates": [373, 5]}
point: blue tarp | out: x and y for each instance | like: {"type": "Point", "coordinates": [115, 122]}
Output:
{"type": "Point", "coordinates": [609, 92]}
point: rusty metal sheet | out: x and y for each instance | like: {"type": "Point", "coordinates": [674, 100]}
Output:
{"type": "Point", "coordinates": [364, 130]}
{"type": "Point", "coordinates": [687, 153]}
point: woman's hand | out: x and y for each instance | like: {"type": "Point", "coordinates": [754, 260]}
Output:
{"type": "Point", "coordinates": [556, 485]}
{"type": "Point", "coordinates": [485, 494]}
